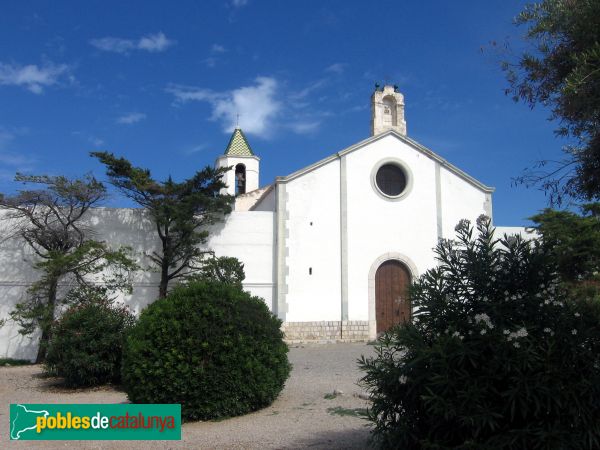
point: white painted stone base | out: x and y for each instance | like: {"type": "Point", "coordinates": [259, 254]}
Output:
{"type": "Point", "coordinates": [326, 331]}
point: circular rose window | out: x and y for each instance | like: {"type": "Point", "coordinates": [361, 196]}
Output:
{"type": "Point", "coordinates": [391, 180]}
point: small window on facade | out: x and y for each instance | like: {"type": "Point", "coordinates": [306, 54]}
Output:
{"type": "Point", "coordinates": [240, 179]}
{"type": "Point", "coordinates": [391, 180]}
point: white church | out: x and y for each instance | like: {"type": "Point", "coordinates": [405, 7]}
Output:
{"type": "Point", "coordinates": [331, 248]}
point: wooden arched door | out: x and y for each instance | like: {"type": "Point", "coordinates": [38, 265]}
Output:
{"type": "Point", "coordinates": [392, 305]}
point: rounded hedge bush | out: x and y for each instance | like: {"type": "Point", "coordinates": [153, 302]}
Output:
{"type": "Point", "coordinates": [211, 347]}
{"type": "Point", "coordinates": [87, 342]}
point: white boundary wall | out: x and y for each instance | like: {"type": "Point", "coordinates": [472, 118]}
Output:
{"type": "Point", "coordinates": [244, 235]}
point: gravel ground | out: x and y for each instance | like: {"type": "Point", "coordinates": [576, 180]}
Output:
{"type": "Point", "coordinates": [300, 418]}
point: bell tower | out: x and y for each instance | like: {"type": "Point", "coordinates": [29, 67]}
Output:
{"type": "Point", "coordinates": [387, 110]}
{"type": "Point", "coordinates": [243, 175]}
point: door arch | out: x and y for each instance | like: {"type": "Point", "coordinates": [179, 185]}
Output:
{"type": "Point", "coordinates": [392, 305]}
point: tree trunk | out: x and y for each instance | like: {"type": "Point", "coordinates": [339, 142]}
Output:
{"type": "Point", "coordinates": [43, 347]}
{"type": "Point", "coordinates": [164, 280]}
{"type": "Point", "coordinates": [46, 322]}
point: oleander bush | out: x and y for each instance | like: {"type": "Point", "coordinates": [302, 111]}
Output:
{"type": "Point", "coordinates": [87, 343]}
{"type": "Point", "coordinates": [498, 356]}
{"type": "Point", "coordinates": [210, 346]}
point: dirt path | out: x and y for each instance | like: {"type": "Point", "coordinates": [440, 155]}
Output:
{"type": "Point", "coordinates": [300, 418]}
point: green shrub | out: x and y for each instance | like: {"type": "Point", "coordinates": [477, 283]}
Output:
{"type": "Point", "coordinates": [87, 342]}
{"type": "Point", "coordinates": [211, 347]}
{"type": "Point", "coordinates": [7, 362]}
{"type": "Point", "coordinates": [497, 356]}
{"type": "Point", "coordinates": [223, 269]}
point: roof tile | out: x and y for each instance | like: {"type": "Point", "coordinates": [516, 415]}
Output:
{"type": "Point", "coordinates": [238, 144]}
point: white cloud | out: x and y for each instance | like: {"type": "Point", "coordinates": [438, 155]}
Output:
{"type": "Point", "coordinates": [151, 43]}
{"type": "Point", "coordinates": [210, 62]}
{"type": "Point", "coordinates": [32, 77]}
{"type": "Point", "coordinates": [215, 51]}
{"type": "Point", "coordinates": [336, 68]}
{"type": "Point", "coordinates": [239, 3]}
{"type": "Point", "coordinates": [13, 161]}
{"type": "Point", "coordinates": [111, 44]}
{"type": "Point", "coordinates": [96, 141]}
{"type": "Point", "coordinates": [195, 149]}
{"type": "Point", "coordinates": [185, 94]}
{"type": "Point", "coordinates": [256, 105]}
{"type": "Point", "coordinates": [316, 85]}
{"type": "Point", "coordinates": [155, 43]}
{"type": "Point", "coordinates": [131, 118]}
{"type": "Point", "coordinates": [260, 106]}
{"type": "Point", "coordinates": [301, 127]}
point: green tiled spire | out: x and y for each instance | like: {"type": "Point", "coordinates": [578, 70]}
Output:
{"type": "Point", "coordinates": [238, 145]}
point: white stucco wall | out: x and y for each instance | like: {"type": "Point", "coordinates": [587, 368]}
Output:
{"type": "Point", "coordinates": [459, 200]}
{"type": "Point", "coordinates": [355, 228]}
{"type": "Point", "coordinates": [377, 225]}
{"type": "Point", "coordinates": [247, 236]}
{"type": "Point", "coordinates": [312, 222]}
{"type": "Point", "coordinates": [15, 276]}
{"type": "Point", "coordinates": [266, 203]}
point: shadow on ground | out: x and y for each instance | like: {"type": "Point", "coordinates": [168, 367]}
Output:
{"type": "Point", "coordinates": [345, 439]}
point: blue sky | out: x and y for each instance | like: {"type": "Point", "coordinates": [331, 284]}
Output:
{"type": "Point", "coordinates": [161, 83]}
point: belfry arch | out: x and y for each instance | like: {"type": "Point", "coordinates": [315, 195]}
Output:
{"type": "Point", "coordinates": [240, 179]}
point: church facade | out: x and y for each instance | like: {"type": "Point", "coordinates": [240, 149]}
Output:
{"type": "Point", "coordinates": [331, 248]}
{"type": "Point", "coordinates": [351, 231]}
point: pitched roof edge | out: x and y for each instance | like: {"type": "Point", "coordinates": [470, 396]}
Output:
{"type": "Point", "coordinates": [268, 189]}
{"type": "Point", "coordinates": [419, 147]}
